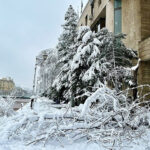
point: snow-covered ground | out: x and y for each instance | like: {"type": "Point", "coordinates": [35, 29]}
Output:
{"type": "Point", "coordinates": [26, 129]}
{"type": "Point", "coordinates": [42, 108]}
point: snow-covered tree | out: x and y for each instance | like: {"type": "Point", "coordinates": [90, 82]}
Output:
{"type": "Point", "coordinates": [21, 92]}
{"type": "Point", "coordinates": [67, 38]}
{"type": "Point", "coordinates": [117, 58]}
{"type": "Point", "coordinates": [96, 62]}
{"type": "Point", "coordinates": [66, 50]}
{"type": "Point", "coordinates": [82, 77]}
{"type": "Point", "coordinates": [98, 58]}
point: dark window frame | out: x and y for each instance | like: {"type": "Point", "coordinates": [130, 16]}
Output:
{"type": "Point", "coordinates": [92, 9]}
{"type": "Point", "coordinates": [92, 2]}
{"type": "Point", "coordinates": [86, 20]}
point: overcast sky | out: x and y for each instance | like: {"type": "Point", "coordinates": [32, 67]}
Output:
{"type": "Point", "coordinates": [26, 28]}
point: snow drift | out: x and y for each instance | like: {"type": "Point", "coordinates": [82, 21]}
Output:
{"type": "Point", "coordinates": [106, 118]}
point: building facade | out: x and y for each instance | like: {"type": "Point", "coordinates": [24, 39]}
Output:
{"type": "Point", "coordinates": [6, 86]}
{"type": "Point", "coordinates": [131, 17]}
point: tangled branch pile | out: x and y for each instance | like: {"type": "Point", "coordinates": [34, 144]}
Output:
{"type": "Point", "coordinates": [6, 106]}
{"type": "Point", "coordinates": [106, 117]}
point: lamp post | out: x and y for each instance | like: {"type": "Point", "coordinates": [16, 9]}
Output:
{"type": "Point", "coordinates": [34, 80]}
{"type": "Point", "coordinates": [44, 57]}
{"type": "Point", "coordinates": [45, 75]}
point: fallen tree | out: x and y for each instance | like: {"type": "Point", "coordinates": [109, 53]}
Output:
{"type": "Point", "coordinates": [107, 117]}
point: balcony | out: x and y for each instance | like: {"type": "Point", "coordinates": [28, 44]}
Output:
{"type": "Point", "coordinates": [144, 50]}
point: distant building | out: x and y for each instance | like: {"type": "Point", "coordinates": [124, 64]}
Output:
{"type": "Point", "coordinates": [7, 85]}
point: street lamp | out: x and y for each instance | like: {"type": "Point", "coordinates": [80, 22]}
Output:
{"type": "Point", "coordinates": [35, 71]}
{"type": "Point", "coordinates": [45, 56]}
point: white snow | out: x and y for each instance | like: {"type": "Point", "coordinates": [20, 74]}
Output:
{"type": "Point", "coordinates": [136, 66]}
{"type": "Point", "coordinates": [131, 83]}
{"type": "Point", "coordinates": [81, 30]}
{"type": "Point", "coordinates": [6, 106]}
{"type": "Point", "coordinates": [96, 41]}
{"type": "Point", "coordinates": [17, 131]}
{"type": "Point", "coordinates": [75, 146]}
{"type": "Point", "coordinates": [87, 37]}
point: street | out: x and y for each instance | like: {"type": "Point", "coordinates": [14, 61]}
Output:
{"type": "Point", "coordinates": [20, 102]}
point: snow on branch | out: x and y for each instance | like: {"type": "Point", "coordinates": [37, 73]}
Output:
{"type": "Point", "coordinates": [6, 106]}
{"type": "Point", "coordinates": [107, 117]}
{"type": "Point", "coordinates": [137, 66]}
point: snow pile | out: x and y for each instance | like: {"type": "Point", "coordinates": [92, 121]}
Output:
{"type": "Point", "coordinates": [28, 124]}
{"type": "Point", "coordinates": [66, 49]}
{"type": "Point", "coordinates": [6, 106]}
{"type": "Point", "coordinates": [106, 118]}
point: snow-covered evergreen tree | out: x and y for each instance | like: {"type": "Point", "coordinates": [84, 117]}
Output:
{"type": "Point", "coordinates": [66, 51]}
{"type": "Point", "coordinates": [67, 38]}
{"type": "Point", "coordinates": [101, 58]}
{"type": "Point", "coordinates": [21, 92]}
{"type": "Point", "coordinates": [82, 80]}
{"type": "Point", "coordinates": [118, 58]}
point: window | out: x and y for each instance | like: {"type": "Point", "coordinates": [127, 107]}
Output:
{"type": "Point", "coordinates": [117, 16]}
{"type": "Point", "coordinates": [99, 25]}
{"type": "Point", "coordinates": [86, 20]}
{"type": "Point", "coordinates": [102, 23]}
{"type": "Point", "coordinates": [92, 9]}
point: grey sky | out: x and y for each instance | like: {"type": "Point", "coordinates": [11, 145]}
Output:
{"type": "Point", "coordinates": [26, 28]}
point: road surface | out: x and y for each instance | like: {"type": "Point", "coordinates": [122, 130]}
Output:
{"type": "Point", "coordinates": [20, 102]}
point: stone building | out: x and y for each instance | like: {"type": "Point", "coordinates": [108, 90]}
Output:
{"type": "Point", "coordinates": [131, 17]}
{"type": "Point", "coordinates": [6, 86]}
